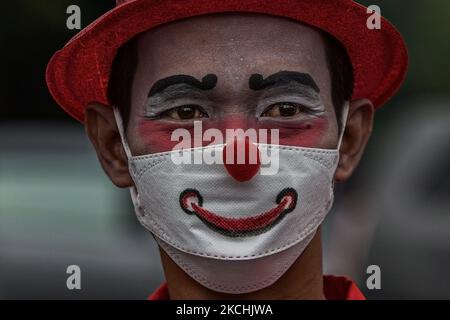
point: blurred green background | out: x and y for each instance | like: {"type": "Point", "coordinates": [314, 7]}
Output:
{"type": "Point", "coordinates": [57, 208]}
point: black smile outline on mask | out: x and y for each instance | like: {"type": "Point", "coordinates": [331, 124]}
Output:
{"type": "Point", "coordinates": [277, 213]}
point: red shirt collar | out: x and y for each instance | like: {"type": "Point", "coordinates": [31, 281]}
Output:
{"type": "Point", "coordinates": [335, 288]}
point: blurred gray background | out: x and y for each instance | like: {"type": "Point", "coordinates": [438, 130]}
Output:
{"type": "Point", "coordinates": [57, 208]}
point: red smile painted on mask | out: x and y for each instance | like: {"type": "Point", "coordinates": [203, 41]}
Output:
{"type": "Point", "coordinates": [191, 202]}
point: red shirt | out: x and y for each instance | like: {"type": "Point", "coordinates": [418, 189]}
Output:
{"type": "Point", "coordinates": [334, 288]}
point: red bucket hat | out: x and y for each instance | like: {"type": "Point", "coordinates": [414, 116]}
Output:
{"type": "Point", "coordinates": [78, 74]}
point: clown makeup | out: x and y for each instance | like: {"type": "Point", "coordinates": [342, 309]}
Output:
{"type": "Point", "coordinates": [231, 72]}
{"type": "Point", "coordinates": [245, 79]}
{"type": "Point", "coordinates": [287, 101]}
{"type": "Point", "coordinates": [179, 97]}
{"type": "Point", "coordinates": [286, 95]}
{"type": "Point", "coordinates": [290, 102]}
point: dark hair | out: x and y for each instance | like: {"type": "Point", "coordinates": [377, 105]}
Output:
{"type": "Point", "coordinates": [341, 71]}
{"type": "Point", "coordinates": [125, 64]}
{"type": "Point", "coordinates": [121, 78]}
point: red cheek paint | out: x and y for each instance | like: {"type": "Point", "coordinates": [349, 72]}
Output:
{"type": "Point", "coordinates": [155, 136]}
{"type": "Point", "coordinates": [308, 133]}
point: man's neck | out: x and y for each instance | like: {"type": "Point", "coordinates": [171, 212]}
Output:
{"type": "Point", "coordinates": [303, 280]}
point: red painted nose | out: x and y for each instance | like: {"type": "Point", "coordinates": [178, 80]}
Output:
{"type": "Point", "coordinates": [241, 159]}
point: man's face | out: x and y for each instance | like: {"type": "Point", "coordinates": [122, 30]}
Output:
{"type": "Point", "coordinates": [233, 71]}
{"type": "Point", "coordinates": [261, 72]}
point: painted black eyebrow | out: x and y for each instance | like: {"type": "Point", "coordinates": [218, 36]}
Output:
{"type": "Point", "coordinates": [208, 82]}
{"type": "Point", "coordinates": [257, 81]}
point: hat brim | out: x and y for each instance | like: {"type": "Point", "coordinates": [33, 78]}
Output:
{"type": "Point", "coordinates": [79, 73]}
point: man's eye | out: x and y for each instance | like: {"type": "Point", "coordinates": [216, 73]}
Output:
{"type": "Point", "coordinates": [283, 110]}
{"type": "Point", "coordinates": [188, 112]}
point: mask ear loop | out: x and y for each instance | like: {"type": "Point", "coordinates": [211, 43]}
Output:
{"type": "Point", "coordinates": [120, 127]}
{"type": "Point", "coordinates": [133, 191]}
{"type": "Point", "coordinates": [344, 119]}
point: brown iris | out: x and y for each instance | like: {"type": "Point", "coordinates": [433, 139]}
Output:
{"type": "Point", "coordinates": [282, 110]}
{"type": "Point", "coordinates": [188, 112]}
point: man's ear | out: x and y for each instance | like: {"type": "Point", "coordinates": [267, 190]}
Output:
{"type": "Point", "coordinates": [102, 130]}
{"type": "Point", "coordinates": [357, 133]}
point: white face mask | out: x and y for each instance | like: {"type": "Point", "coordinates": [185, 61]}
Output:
{"type": "Point", "coordinates": [231, 236]}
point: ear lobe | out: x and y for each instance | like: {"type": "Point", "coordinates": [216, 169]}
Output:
{"type": "Point", "coordinates": [357, 133]}
{"type": "Point", "coordinates": [101, 129]}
